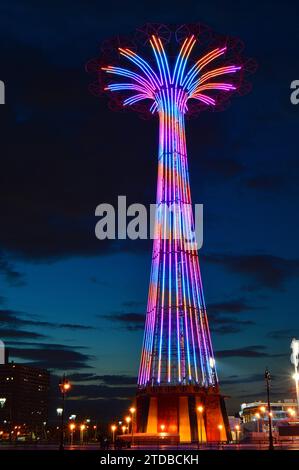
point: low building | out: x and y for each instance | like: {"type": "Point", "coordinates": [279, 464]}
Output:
{"type": "Point", "coordinates": [255, 418]}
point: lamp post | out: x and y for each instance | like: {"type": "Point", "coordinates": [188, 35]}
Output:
{"type": "Point", "coordinates": [258, 416]}
{"type": "Point", "coordinates": [64, 386]}
{"type": "Point", "coordinates": [237, 428]}
{"type": "Point", "coordinates": [82, 429]}
{"type": "Point", "coordinates": [200, 410]}
{"type": "Point", "coordinates": [72, 428]}
{"type": "Point", "coordinates": [132, 411]}
{"type": "Point", "coordinates": [128, 420]}
{"type": "Point", "coordinates": [95, 428]}
{"type": "Point", "coordinates": [295, 361]}
{"type": "Point", "coordinates": [263, 411]}
{"type": "Point", "coordinates": [113, 428]}
{"type": "Point", "coordinates": [267, 379]}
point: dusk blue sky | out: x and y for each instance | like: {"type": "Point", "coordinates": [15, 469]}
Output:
{"type": "Point", "coordinates": [74, 304]}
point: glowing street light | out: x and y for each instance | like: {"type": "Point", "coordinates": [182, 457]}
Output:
{"type": "Point", "coordinates": [132, 411]}
{"type": "Point", "coordinates": [95, 428]}
{"type": "Point", "coordinates": [128, 420]}
{"type": "Point", "coordinates": [263, 409]}
{"type": "Point", "coordinates": [82, 429]}
{"type": "Point", "coordinates": [123, 428]}
{"type": "Point", "coordinates": [237, 428]}
{"type": "Point", "coordinates": [72, 427]}
{"type": "Point", "coordinates": [200, 410]}
{"type": "Point", "coordinates": [59, 411]}
{"type": "Point", "coordinates": [291, 412]}
{"type": "Point", "coordinates": [113, 429]}
{"type": "Point", "coordinates": [162, 427]}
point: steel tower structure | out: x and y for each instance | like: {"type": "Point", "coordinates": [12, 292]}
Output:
{"type": "Point", "coordinates": [177, 369]}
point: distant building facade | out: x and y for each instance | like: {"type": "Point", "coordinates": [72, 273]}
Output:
{"type": "Point", "coordinates": [24, 395]}
{"type": "Point", "coordinates": [254, 415]}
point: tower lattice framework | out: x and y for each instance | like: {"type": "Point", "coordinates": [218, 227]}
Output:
{"type": "Point", "coordinates": [177, 367]}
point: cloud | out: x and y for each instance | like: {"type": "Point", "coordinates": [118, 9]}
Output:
{"type": "Point", "coordinates": [59, 357]}
{"type": "Point", "coordinates": [224, 325]}
{"type": "Point", "coordinates": [12, 276]}
{"type": "Point", "coordinates": [14, 318]}
{"type": "Point", "coordinates": [267, 271]}
{"type": "Point", "coordinates": [227, 325]}
{"type": "Point", "coordinates": [106, 379]}
{"type": "Point", "coordinates": [129, 321]}
{"type": "Point", "coordinates": [233, 306]}
{"type": "Point", "coordinates": [224, 167]}
{"type": "Point", "coordinates": [237, 379]}
{"type": "Point", "coordinates": [281, 334]}
{"type": "Point", "coordinates": [102, 392]}
{"type": "Point", "coordinates": [248, 351]}
{"type": "Point", "coordinates": [265, 182]}
{"type": "Point", "coordinates": [118, 379]}
{"type": "Point", "coordinates": [133, 303]}
{"type": "Point", "coordinates": [7, 333]}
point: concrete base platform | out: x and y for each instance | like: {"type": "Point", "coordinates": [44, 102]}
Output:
{"type": "Point", "coordinates": [172, 411]}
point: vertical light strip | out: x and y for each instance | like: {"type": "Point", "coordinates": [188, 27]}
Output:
{"type": "Point", "coordinates": [186, 204]}
{"type": "Point", "coordinates": [183, 259]}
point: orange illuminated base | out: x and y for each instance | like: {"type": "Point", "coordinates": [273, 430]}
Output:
{"type": "Point", "coordinates": [192, 413]}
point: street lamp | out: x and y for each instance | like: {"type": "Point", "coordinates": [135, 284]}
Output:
{"type": "Point", "coordinates": [291, 412]}
{"type": "Point", "coordinates": [95, 428]}
{"type": "Point", "coordinates": [113, 428]}
{"type": "Point", "coordinates": [267, 379]}
{"type": "Point", "coordinates": [64, 386]}
{"type": "Point", "coordinates": [258, 416]}
{"type": "Point", "coordinates": [72, 428]}
{"type": "Point", "coordinates": [82, 429]}
{"type": "Point", "coordinates": [132, 411]}
{"type": "Point", "coordinates": [200, 410]}
{"type": "Point", "coordinates": [123, 428]}
{"type": "Point", "coordinates": [128, 420]}
{"type": "Point", "coordinates": [237, 428]}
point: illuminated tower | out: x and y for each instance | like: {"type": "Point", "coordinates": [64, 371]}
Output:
{"type": "Point", "coordinates": [177, 372]}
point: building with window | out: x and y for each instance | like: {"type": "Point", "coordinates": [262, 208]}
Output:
{"type": "Point", "coordinates": [24, 397]}
{"type": "Point", "coordinates": [255, 418]}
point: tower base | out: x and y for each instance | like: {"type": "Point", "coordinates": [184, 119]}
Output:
{"type": "Point", "coordinates": [172, 411]}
